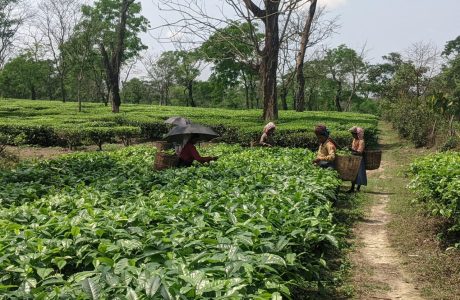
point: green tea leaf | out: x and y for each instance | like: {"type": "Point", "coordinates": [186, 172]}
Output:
{"type": "Point", "coordinates": [131, 294]}
{"type": "Point", "coordinates": [152, 285]}
{"type": "Point", "coordinates": [91, 288]}
{"type": "Point", "coordinates": [44, 272]}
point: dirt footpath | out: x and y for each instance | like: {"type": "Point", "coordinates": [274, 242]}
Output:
{"type": "Point", "coordinates": [378, 271]}
{"type": "Point", "coordinates": [387, 278]}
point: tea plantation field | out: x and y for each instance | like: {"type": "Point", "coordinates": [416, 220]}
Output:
{"type": "Point", "coordinates": [256, 224]}
{"type": "Point", "coordinates": [436, 182]}
{"type": "Point", "coordinates": [50, 123]}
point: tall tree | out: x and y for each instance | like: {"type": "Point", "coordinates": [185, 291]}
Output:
{"type": "Point", "coordinates": [233, 57]}
{"type": "Point", "coordinates": [12, 16]}
{"type": "Point", "coordinates": [285, 73]}
{"type": "Point", "coordinates": [81, 56]}
{"type": "Point", "coordinates": [137, 91]}
{"type": "Point", "coordinates": [344, 65]}
{"type": "Point", "coordinates": [424, 58]}
{"type": "Point", "coordinates": [318, 86]}
{"type": "Point", "coordinates": [446, 88]}
{"type": "Point", "coordinates": [187, 71]}
{"type": "Point", "coordinates": [117, 24]}
{"type": "Point", "coordinates": [269, 15]}
{"type": "Point", "coordinates": [25, 77]}
{"type": "Point", "coordinates": [380, 75]}
{"type": "Point", "coordinates": [161, 72]}
{"type": "Point", "coordinates": [306, 29]}
{"type": "Point", "coordinates": [305, 35]}
{"type": "Point", "coordinates": [57, 20]}
{"type": "Point", "coordinates": [407, 78]}
{"type": "Point", "coordinates": [272, 15]}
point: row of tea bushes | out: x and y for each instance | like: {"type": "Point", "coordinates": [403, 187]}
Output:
{"type": "Point", "coordinates": [49, 123]}
{"type": "Point", "coordinates": [436, 181]}
{"type": "Point", "coordinates": [256, 224]}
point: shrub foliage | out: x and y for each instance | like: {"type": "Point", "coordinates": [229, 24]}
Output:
{"type": "Point", "coordinates": [256, 224]}
{"type": "Point", "coordinates": [436, 180]}
{"type": "Point", "coordinates": [50, 123]}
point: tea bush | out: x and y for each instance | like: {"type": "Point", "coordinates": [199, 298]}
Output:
{"type": "Point", "coordinates": [412, 121]}
{"type": "Point", "coordinates": [256, 224]}
{"type": "Point", "coordinates": [50, 123]}
{"type": "Point", "coordinates": [436, 181]}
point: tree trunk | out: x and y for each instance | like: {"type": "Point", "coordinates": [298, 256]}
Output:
{"type": "Point", "coordinates": [294, 100]}
{"type": "Point", "coordinates": [269, 54]}
{"type": "Point", "coordinates": [283, 94]}
{"type": "Point", "coordinates": [33, 92]}
{"type": "Point", "coordinates": [353, 90]}
{"type": "Point", "coordinates": [63, 92]}
{"type": "Point", "coordinates": [108, 98]}
{"type": "Point", "coordinates": [300, 95]}
{"type": "Point", "coordinates": [166, 95]}
{"type": "Point", "coordinates": [113, 64]}
{"type": "Point", "coordinates": [269, 62]}
{"type": "Point", "coordinates": [338, 96]}
{"type": "Point", "coordinates": [246, 94]}
{"type": "Point", "coordinates": [162, 91]}
{"type": "Point", "coordinates": [246, 89]}
{"type": "Point", "coordinates": [310, 97]}
{"type": "Point", "coordinates": [190, 94]}
{"type": "Point", "coordinates": [451, 126]}
{"type": "Point", "coordinates": [116, 99]}
{"type": "Point", "coordinates": [252, 86]}
{"type": "Point", "coordinates": [79, 78]}
{"type": "Point", "coordinates": [48, 88]}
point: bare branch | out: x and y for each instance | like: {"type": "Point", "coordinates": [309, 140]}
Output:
{"type": "Point", "coordinates": [13, 15]}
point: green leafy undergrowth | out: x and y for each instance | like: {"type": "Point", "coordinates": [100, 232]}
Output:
{"type": "Point", "coordinates": [436, 181]}
{"type": "Point", "coordinates": [256, 224]}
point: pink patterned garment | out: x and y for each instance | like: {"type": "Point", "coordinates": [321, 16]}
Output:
{"type": "Point", "coordinates": [269, 127]}
{"type": "Point", "coordinates": [359, 131]}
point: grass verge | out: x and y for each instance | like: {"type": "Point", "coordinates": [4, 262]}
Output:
{"type": "Point", "coordinates": [411, 231]}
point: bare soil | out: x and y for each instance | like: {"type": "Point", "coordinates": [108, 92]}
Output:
{"type": "Point", "coordinates": [388, 279]}
{"type": "Point", "coordinates": [378, 269]}
{"type": "Point", "coordinates": [35, 152]}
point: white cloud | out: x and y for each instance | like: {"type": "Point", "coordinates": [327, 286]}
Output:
{"type": "Point", "coordinates": [331, 4]}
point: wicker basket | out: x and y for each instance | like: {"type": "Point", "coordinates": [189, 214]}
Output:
{"type": "Point", "coordinates": [162, 145]}
{"type": "Point", "coordinates": [347, 166]}
{"type": "Point", "coordinates": [372, 159]}
{"type": "Point", "coordinates": [165, 161]}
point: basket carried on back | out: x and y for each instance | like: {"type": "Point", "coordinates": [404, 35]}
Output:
{"type": "Point", "coordinates": [372, 159]}
{"type": "Point", "coordinates": [347, 166]}
{"type": "Point", "coordinates": [165, 161]}
{"type": "Point", "coordinates": [162, 145]}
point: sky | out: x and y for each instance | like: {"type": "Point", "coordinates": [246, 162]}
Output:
{"type": "Point", "coordinates": [394, 25]}
{"type": "Point", "coordinates": [384, 26]}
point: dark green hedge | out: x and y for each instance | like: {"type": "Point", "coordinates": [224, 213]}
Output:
{"type": "Point", "coordinates": [46, 124]}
